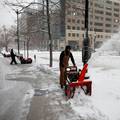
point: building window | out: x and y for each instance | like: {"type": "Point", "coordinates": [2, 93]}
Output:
{"type": "Point", "coordinates": [73, 20]}
{"type": "Point", "coordinates": [73, 27]}
{"type": "Point", "coordinates": [98, 36]}
{"type": "Point", "coordinates": [108, 13]}
{"type": "Point", "coordinates": [78, 21]}
{"type": "Point", "coordinates": [91, 29]}
{"type": "Point", "coordinates": [83, 28]}
{"type": "Point", "coordinates": [68, 27]}
{"type": "Point", "coordinates": [99, 5]}
{"type": "Point", "coordinates": [68, 12]}
{"type": "Point", "coordinates": [116, 4]}
{"type": "Point", "coordinates": [98, 30]}
{"type": "Point", "coordinates": [98, 18]}
{"type": "Point", "coordinates": [78, 13]}
{"type": "Point", "coordinates": [109, 2]}
{"type": "Point", "coordinates": [69, 20]}
{"type": "Point", "coordinates": [108, 25]}
{"type": "Point", "coordinates": [116, 9]}
{"type": "Point", "coordinates": [108, 31]}
{"type": "Point", "coordinates": [73, 34]}
{"type": "Point", "coordinates": [98, 24]}
{"type": "Point", "coordinates": [115, 26]}
{"type": "Point", "coordinates": [99, 11]}
{"type": "Point", "coordinates": [108, 19]}
{"type": "Point", "coordinates": [91, 23]}
{"type": "Point", "coordinates": [77, 34]}
{"type": "Point", "coordinates": [83, 22]}
{"type": "Point", "coordinates": [115, 31]}
{"type": "Point", "coordinates": [69, 34]}
{"type": "Point", "coordinates": [108, 8]}
{"type": "Point", "coordinates": [83, 35]}
{"type": "Point", "coordinates": [116, 15]}
{"type": "Point", "coordinates": [107, 37]}
{"type": "Point", "coordinates": [78, 28]}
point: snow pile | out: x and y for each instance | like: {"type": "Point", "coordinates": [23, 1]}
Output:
{"type": "Point", "coordinates": [111, 46]}
{"type": "Point", "coordinates": [110, 49]}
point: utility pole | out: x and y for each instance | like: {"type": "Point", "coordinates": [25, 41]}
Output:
{"type": "Point", "coordinates": [86, 53]}
{"type": "Point", "coordinates": [18, 12]}
{"type": "Point", "coordinates": [49, 33]}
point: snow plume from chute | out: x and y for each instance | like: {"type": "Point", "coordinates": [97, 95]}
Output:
{"type": "Point", "coordinates": [110, 47]}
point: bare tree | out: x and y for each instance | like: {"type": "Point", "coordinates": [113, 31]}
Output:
{"type": "Point", "coordinates": [6, 36]}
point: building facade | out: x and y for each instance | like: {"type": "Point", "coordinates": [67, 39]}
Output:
{"type": "Point", "coordinates": [33, 29]}
{"type": "Point", "coordinates": [67, 23]}
{"type": "Point", "coordinates": [34, 26]}
{"type": "Point", "coordinates": [104, 20]}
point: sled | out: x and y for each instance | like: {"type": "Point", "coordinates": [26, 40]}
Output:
{"type": "Point", "coordinates": [77, 79]}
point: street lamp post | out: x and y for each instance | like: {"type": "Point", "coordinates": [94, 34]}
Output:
{"type": "Point", "coordinates": [18, 38]}
{"type": "Point", "coordinates": [18, 31]}
{"type": "Point", "coordinates": [86, 42]}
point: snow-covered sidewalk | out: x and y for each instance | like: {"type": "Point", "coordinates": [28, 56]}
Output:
{"type": "Point", "coordinates": [14, 96]}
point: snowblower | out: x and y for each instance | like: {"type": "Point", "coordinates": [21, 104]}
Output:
{"type": "Point", "coordinates": [77, 79]}
{"type": "Point", "coordinates": [25, 61]}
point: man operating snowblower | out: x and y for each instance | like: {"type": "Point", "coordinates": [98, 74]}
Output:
{"type": "Point", "coordinates": [63, 64]}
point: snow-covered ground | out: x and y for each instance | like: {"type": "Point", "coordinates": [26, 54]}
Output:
{"type": "Point", "coordinates": [12, 94]}
{"type": "Point", "coordinates": [16, 86]}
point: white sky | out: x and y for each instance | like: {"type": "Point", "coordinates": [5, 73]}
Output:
{"type": "Point", "coordinates": [7, 15]}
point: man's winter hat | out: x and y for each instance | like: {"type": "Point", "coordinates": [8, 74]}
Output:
{"type": "Point", "coordinates": [68, 47]}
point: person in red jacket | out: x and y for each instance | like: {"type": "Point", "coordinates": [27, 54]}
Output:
{"type": "Point", "coordinates": [63, 63]}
